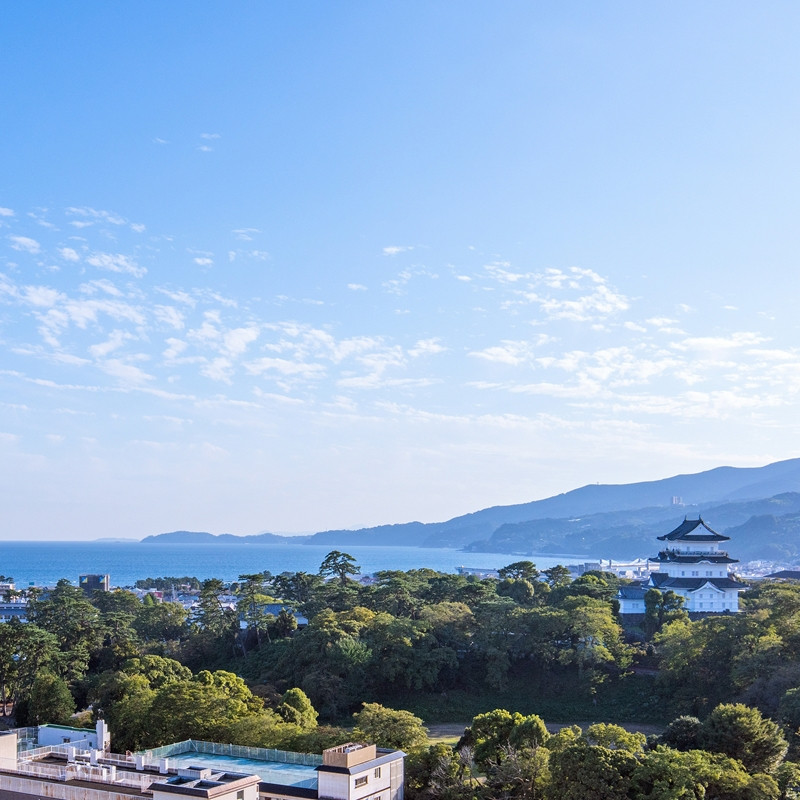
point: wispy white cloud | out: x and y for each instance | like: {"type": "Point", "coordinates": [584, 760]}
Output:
{"type": "Point", "coordinates": [169, 315]}
{"type": "Point", "coordinates": [116, 263]}
{"type": "Point", "coordinates": [399, 284]}
{"type": "Point", "coordinates": [98, 215]}
{"type": "Point", "coordinates": [356, 287]}
{"type": "Point", "coordinates": [507, 352]}
{"type": "Point", "coordinates": [178, 295]}
{"type": "Point", "coordinates": [100, 285]}
{"type": "Point", "coordinates": [69, 254]}
{"type": "Point", "coordinates": [394, 249]}
{"type": "Point", "coordinates": [115, 340]}
{"type": "Point", "coordinates": [124, 372]}
{"type": "Point", "coordinates": [285, 367]}
{"type": "Point", "coordinates": [427, 347]}
{"type": "Point", "coordinates": [245, 234]}
{"type": "Point", "coordinates": [6, 212]}
{"type": "Point", "coordinates": [25, 244]}
{"type": "Point", "coordinates": [41, 296]}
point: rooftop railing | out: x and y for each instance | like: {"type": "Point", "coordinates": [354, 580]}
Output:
{"type": "Point", "coordinates": [234, 751]}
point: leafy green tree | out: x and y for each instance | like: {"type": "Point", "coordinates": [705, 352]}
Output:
{"type": "Point", "coordinates": [10, 641]}
{"type": "Point", "coordinates": [520, 774]}
{"type": "Point", "coordinates": [589, 585]}
{"type": "Point", "coordinates": [395, 593]}
{"type": "Point", "coordinates": [787, 776]}
{"type": "Point", "coordinates": [168, 583]}
{"type": "Point", "coordinates": [743, 733]}
{"type": "Point", "coordinates": [666, 774]}
{"type": "Point", "coordinates": [660, 609]}
{"type": "Point", "coordinates": [339, 565]}
{"type": "Point", "coordinates": [558, 575]}
{"type": "Point", "coordinates": [265, 729]}
{"type": "Point", "coordinates": [285, 624]}
{"type": "Point", "coordinates": [521, 591]}
{"type": "Point", "coordinates": [683, 733]}
{"type": "Point", "coordinates": [789, 714]}
{"type": "Point", "coordinates": [158, 671]}
{"type": "Point", "coordinates": [50, 700]}
{"type": "Point", "coordinates": [497, 627]}
{"type": "Point", "coordinates": [74, 621]}
{"type": "Point", "coordinates": [438, 772]}
{"type": "Point", "coordinates": [126, 702]}
{"type": "Point", "coordinates": [519, 570]}
{"type": "Point", "coordinates": [161, 622]}
{"type": "Point", "coordinates": [216, 626]}
{"type": "Point", "coordinates": [615, 737]}
{"type": "Point", "coordinates": [296, 708]}
{"type": "Point", "coordinates": [120, 640]}
{"type": "Point", "coordinates": [388, 727]}
{"type": "Point", "coordinates": [695, 660]}
{"type": "Point", "coordinates": [403, 652]}
{"type": "Point", "coordinates": [296, 587]}
{"type": "Point", "coordinates": [118, 601]}
{"type": "Point", "coordinates": [594, 638]}
{"type": "Point", "coordinates": [493, 734]}
{"type": "Point", "coordinates": [583, 772]}
{"type": "Point", "coordinates": [202, 708]}
{"type": "Point", "coordinates": [252, 599]}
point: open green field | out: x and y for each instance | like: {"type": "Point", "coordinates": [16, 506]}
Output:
{"type": "Point", "coordinates": [631, 700]}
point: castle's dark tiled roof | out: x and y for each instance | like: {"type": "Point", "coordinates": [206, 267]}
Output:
{"type": "Point", "coordinates": [631, 592]}
{"type": "Point", "coordinates": [687, 532]}
{"type": "Point", "coordinates": [693, 584]}
{"type": "Point", "coordinates": [671, 557]}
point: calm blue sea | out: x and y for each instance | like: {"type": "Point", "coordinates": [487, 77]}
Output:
{"type": "Point", "coordinates": [43, 563]}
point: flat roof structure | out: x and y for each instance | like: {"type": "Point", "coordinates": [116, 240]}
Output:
{"type": "Point", "coordinates": [190, 769]}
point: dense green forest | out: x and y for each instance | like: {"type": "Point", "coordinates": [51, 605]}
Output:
{"type": "Point", "coordinates": [441, 647]}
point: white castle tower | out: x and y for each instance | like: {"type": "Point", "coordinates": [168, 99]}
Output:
{"type": "Point", "coordinates": [691, 565]}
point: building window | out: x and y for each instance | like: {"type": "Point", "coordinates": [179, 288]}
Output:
{"type": "Point", "coordinates": [240, 794]}
{"type": "Point", "coordinates": [362, 781]}
{"type": "Point", "coordinates": [708, 572]}
{"type": "Point", "coordinates": [377, 772]}
{"type": "Point", "coordinates": [695, 573]}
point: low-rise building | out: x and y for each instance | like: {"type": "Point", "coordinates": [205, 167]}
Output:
{"type": "Point", "coordinates": [75, 764]}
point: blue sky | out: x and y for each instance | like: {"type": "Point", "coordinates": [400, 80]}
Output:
{"type": "Point", "coordinates": [299, 266]}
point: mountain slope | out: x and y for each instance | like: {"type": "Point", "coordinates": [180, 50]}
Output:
{"type": "Point", "coordinates": [713, 486]}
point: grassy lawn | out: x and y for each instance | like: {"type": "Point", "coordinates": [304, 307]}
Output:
{"type": "Point", "coordinates": [630, 700]}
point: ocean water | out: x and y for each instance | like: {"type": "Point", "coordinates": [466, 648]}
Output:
{"type": "Point", "coordinates": [44, 563]}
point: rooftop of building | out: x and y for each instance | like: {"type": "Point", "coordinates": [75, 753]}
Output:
{"type": "Point", "coordinates": [279, 767]}
{"type": "Point", "coordinates": [687, 532]}
{"type": "Point", "coordinates": [190, 768]}
{"type": "Point", "coordinates": [695, 557]}
{"type": "Point", "coordinates": [663, 581]}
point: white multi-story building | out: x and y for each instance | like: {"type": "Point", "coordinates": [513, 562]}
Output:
{"type": "Point", "coordinates": [693, 566]}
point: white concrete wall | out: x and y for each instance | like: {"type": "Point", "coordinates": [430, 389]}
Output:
{"type": "Point", "coordinates": [250, 793]}
{"type": "Point", "coordinates": [50, 734]}
{"type": "Point", "coordinates": [57, 790]}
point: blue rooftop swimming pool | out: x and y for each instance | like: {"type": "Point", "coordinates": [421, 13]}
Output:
{"type": "Point", "coordinates": [269, 771]}
{"type": "Point", "coordinates": [272, 766]}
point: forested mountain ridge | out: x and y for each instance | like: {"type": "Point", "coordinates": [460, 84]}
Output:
{"type": "Point", "coordinates": [600, 520]}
